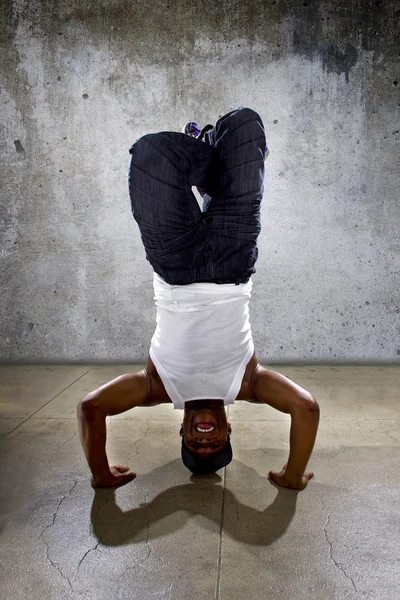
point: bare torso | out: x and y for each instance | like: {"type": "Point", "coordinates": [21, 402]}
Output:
{"type": "Point", "coordinates": [159, 395]}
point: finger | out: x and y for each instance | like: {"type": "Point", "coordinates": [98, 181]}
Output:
{"type": "Point", "coordinates": [124, 469]}
{"type": "Point", "coordinates": [127, 476]}
{"type": "Point", "coordinates": [121, 468]}
{"type": "Point", "coordinates": [277, 473]}
{"type": "Point", "coordinates": [123, 479]}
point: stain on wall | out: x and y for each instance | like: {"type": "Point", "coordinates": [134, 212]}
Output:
{"type": "Point", "coordinates": [82, 80]}
{"type": "Point", "coordinates": [19, 148]}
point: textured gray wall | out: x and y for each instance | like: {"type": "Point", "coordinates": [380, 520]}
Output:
{"type": "Point", "coordinates": [81, 80]}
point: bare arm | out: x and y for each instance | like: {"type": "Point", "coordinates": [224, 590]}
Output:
{"type": "Point", "coordinates": [303, 432]}
{"type": "Point", "coordinates": [281, 393]}
{"type": "Point", "coordinates": [115, 397]}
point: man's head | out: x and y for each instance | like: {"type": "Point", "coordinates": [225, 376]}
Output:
{"type": "Point", "coordinates": [205, 435]}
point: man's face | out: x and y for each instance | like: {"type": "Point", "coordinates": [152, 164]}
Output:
{"type": "Point", "coordinates": [205, 429]}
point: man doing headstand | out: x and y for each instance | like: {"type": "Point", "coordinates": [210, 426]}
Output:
{"type": "Point", "coordinates": [202, 354]}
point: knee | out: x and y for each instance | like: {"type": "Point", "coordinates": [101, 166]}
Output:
{"type": "Point", "coordinates": [135, 145]}
{"type": "Point", "coordinates": [246, 120]}
{"type": "Point", "coordinates": [244, 113]}
{"type": "Point", "coordinates": [139, 143]}
{"type": "Point", "coordinates": [245, 110]}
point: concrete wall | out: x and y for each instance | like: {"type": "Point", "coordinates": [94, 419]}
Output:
{"type": "Point", "coordinates": [81, 80]}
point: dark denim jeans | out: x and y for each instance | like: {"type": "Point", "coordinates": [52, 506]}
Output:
{"type": "Point", "coordinates": [183, 244]}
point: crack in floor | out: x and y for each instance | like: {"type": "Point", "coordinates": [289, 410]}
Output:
{"type": "Point", "coordinates": [138, 564]}
{"type": "Point", "coordinates": [149, 548]}
{"type": "Point", "coordinates": [137, 442]}
{"type": "Point", "coordinates": [88, 552]}
{"type": "Point", "coordinates": [63, 444]}
{"type": "Point", "coordinates": [100, 538]}
{"type": "Point", "coordinates": [53, 564]}
{"type": "Point", "coordinates": [391, 437]}
{"type": "Point", "coordinates": [331, 555]}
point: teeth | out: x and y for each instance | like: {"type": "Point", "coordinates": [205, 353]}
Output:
{"type": "Point", "coordinates": [204, 430]}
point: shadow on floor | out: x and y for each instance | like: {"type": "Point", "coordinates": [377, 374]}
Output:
{"type": "Point", "coordinates": [171, 509]}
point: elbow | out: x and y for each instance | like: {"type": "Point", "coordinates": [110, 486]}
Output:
{"type": "Point", "coordinates": [313, 406]}
{"type": "Point", "coordinates": [87, 407]}
{"type": "Point", "coordinates": [310, 404]}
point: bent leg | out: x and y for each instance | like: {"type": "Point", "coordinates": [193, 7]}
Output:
{"type": "Point", "coordinates": [164, 166]}
{"type": "Point", "coordinates": [233, 216]}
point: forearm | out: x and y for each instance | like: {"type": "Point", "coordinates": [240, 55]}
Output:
{"type": "Point", "coordinates": [93, 434]}
{"type": "Point", "coordinates": [303, 432]}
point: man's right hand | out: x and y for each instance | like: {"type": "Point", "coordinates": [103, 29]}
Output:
{"type": "Point", "coordinates": [116, 477]}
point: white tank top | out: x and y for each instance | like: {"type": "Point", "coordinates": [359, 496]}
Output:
{"type": "Point", "coordinates": [203, 339]}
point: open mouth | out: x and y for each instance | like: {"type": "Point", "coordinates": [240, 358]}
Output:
{"type": "Point", "coordinates": [205, 427]}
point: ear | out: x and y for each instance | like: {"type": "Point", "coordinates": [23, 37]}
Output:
{"type": "Point", "coordinates": [229, 429]}
{"type": "Point", "coordinates": [181, 431]}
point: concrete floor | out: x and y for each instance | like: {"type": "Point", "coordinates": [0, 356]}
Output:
{"type": "Point", "coordinates": [232, 535]}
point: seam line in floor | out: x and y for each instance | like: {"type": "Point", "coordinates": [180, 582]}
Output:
{"type": "Point", "coordinates": [221, 541]}
{"type": "Point", "coordinates": [45, 404]}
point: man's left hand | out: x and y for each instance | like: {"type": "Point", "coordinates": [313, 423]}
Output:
{"type": "Point", "coordinates": [116, 477]}
{"type": "Point", "coordinates": [286, 480]}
